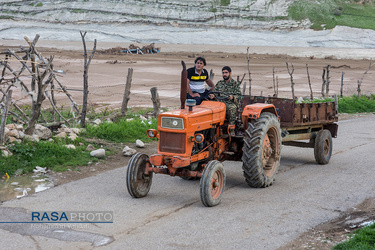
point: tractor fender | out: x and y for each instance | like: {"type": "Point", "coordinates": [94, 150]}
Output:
{"type": "Point", "coordinates": [253, 111]}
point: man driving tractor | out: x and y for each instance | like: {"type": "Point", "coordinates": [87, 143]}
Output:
{"type": "Point", "coordinates": [229, 88]}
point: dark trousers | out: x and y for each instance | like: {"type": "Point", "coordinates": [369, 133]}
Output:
{"type": "Point", "coordinates": [203, 96]}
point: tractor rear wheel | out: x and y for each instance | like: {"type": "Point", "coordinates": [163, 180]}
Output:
{"type": "Point", "coordinates": [261, 150]}
{"type": "Point", "coordinates": [212, 183]}
{"type": "Point", "coordinates": [323, 147]}
{"type": "Point", "coordinates": [137, 182]}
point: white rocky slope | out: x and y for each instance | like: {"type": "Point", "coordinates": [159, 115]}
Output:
{"type": "Point", "coordinates": [242, 22]}
{"type": "Point", "coordinates": [247, 14]}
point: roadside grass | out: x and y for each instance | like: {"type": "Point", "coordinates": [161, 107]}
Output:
{"type": "Point", "coordinates": [56, 156]}
{"type": "Point", "coordinates": [355, 104]}
{"type": "Point", "coordinates": [122, 130]}
{"type": "Point", "coordinates": [51, 154]}
{"type": "Point", "coordinates": [329, 13]}
{"type": "Point", "coordinates": [363, 239]}
{"type": "Point", "coordinates": [351, 104]}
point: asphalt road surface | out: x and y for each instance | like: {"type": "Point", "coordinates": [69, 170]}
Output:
{"type": "Point", "coordinates": [304, 195]}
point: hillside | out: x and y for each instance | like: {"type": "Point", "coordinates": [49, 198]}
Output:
{"type": "Point", "coordinates": [335, 23]}
{"type": "Point", "coordinates": [260, 14]}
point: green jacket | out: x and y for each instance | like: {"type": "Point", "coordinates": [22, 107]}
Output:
{"type": "Point", "coordinates": [230, 88]}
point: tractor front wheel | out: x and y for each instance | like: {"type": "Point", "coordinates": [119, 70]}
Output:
{"type": "Point", "coordinates": [137, 182]}
{"type": "Point", "coordinates": [212, 183]}
{"type": "Point", "coordinates": [261, 150]}
{"type": "Point", "coordinates": [323, 147]}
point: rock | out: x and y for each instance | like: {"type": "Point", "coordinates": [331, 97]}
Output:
{"type": "Point", "coordinates": [6, 130]}
{"type": "Point", "coordinates": [21, 134]}
{"type": "Point", "coordinates": [139, 144]}
{"type": "Point", "coordinates": [19, 127]}
{"type": "Point", "coordinates": [13, 133]}
{"type": "Point", "coordinates": [129, 119]}
{"type": "Point", "coordinates": [76, 130]}
{"type": "Point", "coordinates": [35, 137]}
{"type": "Point", "coordinates": [42, 132]}
{"type": "Point", "coordinates": [90, 147]}
{"type": "Point", "coordinates": [73, 136]}
{"type": "Point", "coordinates": [71, 146]}
{"type": "Point", "coordinates": [128, 151]}
{"type": "Point", "coordinates": [99, 153]}
{"type": "Point", "coordinates": [11, 126]}
{"type": "Point", "coordinates": [64, 129]}
{"type": "Point", "coordinates": [28, 137]}
{"type": "Point", "coordinates": [142, 118]}
{"type": "Point", "coordinates": [4, 153]}
{"type": "Point", "coordinates": [12, 139]}
{"type": "Point", "coordinates": [109, 120]}
{"type": "Point", "coordinates": [61, 135]}
{"type": "Point", "coordinates": [97, 121]}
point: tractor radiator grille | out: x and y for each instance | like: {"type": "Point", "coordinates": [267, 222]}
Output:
{"type": "Point", "coordinates": [172, 142]}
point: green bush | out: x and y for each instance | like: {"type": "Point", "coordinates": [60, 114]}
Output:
{"type": "Point", "coordinates": [51, 154]}
{"type": "Point", "coordinates": [328, 14]}
{"type": "Point", "coordinates": [351, 104]}
{"type": "Point", "coordinates": [122, 131]}
{"type": "Point", "coordinates": [355, 104]}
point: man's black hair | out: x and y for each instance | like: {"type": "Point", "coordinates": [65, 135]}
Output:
{"type": "Point", "coordinates": [226, 68]}
{"type": "Point", "coordinates": [200, 59]}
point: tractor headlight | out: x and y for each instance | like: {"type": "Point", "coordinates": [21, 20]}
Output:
{"type": "Point", "coordinates": [171, 122]}
{"type": "Point", "coordinates": [198, 138]}
{"type": "Point", "coordinates": [151, 133]}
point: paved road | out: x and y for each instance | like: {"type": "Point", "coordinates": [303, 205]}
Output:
{"type": "Point", "coordinates": [171, 216]}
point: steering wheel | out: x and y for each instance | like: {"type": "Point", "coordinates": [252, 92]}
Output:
{"type": "Point", "coordinates": [220, 96]}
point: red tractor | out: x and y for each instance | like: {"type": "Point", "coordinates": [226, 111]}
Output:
{"type": "Point", "coordinates": [194, 141]}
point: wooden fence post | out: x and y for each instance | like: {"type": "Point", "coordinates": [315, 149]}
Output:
{"type": "Point", "coordinates": [4, 117]}
{"type": "Point", "coordinates": [124, 106]}
{"type": "Point", "coordinates": [308, 78]}
{"type": "Point", "coordinates": [342, 83]}
{"type": "Point", "coordinates": [328, 80]}
{"type": "Point", "coordinates": [87, 62]}
{"type": "Point", "coordinates": [359, 88]}
{"type": "Point", "coordinates": [248, 69]}
{"type": "Point", "coordinates": [323, 81]}
{"type": "Point", "coordinates": [291, 78]}
{"type": "Point", "coordinates": [156, 101]}
{"type": "Point", "coordinates": [274, 81]}
{"type": "Point", "coordinates": [212, 75]}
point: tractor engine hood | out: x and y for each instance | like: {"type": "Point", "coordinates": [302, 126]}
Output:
{"type": "Point", "coordinates": [200, 118]}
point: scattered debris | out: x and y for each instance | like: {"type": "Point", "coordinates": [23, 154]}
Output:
{"type": "Point", "coordinates": [40, 170]}
{"type": "Point", "coordinates": [133, 49]}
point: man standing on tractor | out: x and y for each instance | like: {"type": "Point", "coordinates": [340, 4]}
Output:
{"type": "Point", "coordinates": [230, 89]}
{"type": "Point", "coordinates": [197, 76]}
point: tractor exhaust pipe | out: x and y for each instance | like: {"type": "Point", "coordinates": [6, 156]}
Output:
{"type": "Point", "coordinates": [183, 89]}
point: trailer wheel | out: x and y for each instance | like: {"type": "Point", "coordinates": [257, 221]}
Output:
{"type": "Point", "coordinates": [261, 150]}
{"type": "Point", "coordinates": [212, 183]}
{"type": "Point", "coordinates": [137, 182]}
{"type": "Point", "coordinates": [323, 147]}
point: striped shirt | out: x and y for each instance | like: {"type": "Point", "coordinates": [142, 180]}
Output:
{"type": "Point", "coordinates": [197, 81]}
